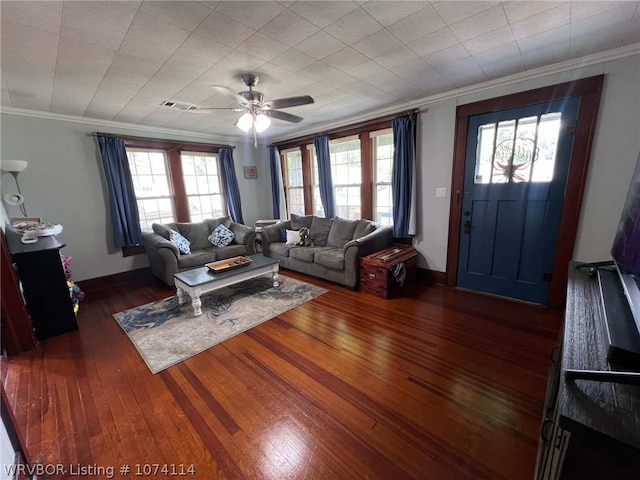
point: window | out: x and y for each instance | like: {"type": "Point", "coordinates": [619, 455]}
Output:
{"type": "Point", "coordinates": [361, 159]}
{"type": "Point", "coordinates": [151, 185]}
{"type": "Point", "coordinates": [294, 181]}
{"type": "Point", "coordinates": [175, 182]}
{"type": "Point", "coordinates": [346, 173]}
{"type": "Point", "coordinates": [383, 162]}
{"type": "Point", "coordinates": [202, 186]}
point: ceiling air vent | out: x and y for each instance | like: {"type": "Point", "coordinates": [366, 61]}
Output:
{"type": "Point", "coordinates": [179, 106]}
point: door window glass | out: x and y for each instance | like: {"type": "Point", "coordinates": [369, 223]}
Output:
{"type": "Point", "coordinates": [548, 132]}
{"type": "Point", "coordinates": [518, 150]}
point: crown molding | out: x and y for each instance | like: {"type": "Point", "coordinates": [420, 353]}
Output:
{"type": "Point", "coordinates": [94, 122]}
{"type": "Point", "coordinates": [556, 68]}
{"type": "Point", "coordinates": [539, 72]}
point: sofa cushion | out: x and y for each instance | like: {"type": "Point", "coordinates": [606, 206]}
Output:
{"type": "Point", "coordinates": [364, 227]}
{"type": "Point", "coordinates": [232, 250]}
{"type": "Point", "coordinates": [212, 223]}
{"type": "Point", "coordinates": [179, 241]}
{"type": "Point", "coordinates": [281, 249]}
{"type": "Point", "coordinates": [319, 230]}
{"type": "Point", "coordinates": [306, 254]}
{"type": "Point", "coordinates": [221, 236]}
{"type": "Point", "coordinates": [196, 233]}
{"type": "Point", "coordinates": [341, 232]}
{"type": "Point", "coordinates": [297, 222]}
{"type": "Point", "coordinates": [332, 258]}
{"type": "Point", "coordinates": [197, 259]}
{"type": "Point", "coordinates": [163, 230]}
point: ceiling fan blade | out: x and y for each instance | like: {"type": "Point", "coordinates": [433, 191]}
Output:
{"type": "Point", "coordinates": [235, 109]}
{"type": "Point", "coordinates": [230, 93]}
{"type": "Point", "coordinates": [283, 116]}
{"type": "Point", "coordinates": [187, 107]}
{"type": "Point", "coordinates": [288, 102]}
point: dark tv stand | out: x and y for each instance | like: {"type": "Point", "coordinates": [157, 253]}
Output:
{"type": "Point", "coordinates": [621, 332]}
{"type": "Point", "coordinates": [607, 263]}
{"type": "Point", "coordinates": [621, 336]}
{"type": "Point", "coordinates": [628, 378]}
{"type": "Point", "coordinates": [590, 427]}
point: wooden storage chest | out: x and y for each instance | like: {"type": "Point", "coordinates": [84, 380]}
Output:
{"type": "Point", "coordinates": [376, 270]}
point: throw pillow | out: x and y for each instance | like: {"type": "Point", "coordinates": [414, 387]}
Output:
{"type": "Point", "coordinates": [283, 235]}
{"type": "Point", "coordinates": [221, 236]}
{"type": "Point", "coordinates": [184, 245]}
{"type": "Point", "coordinates": [293, 237]}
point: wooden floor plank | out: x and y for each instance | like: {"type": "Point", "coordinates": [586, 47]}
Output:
{"type": "Point", "coordinates": [440, 383]}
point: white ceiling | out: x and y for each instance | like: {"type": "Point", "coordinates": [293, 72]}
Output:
{"type": "Point", "coordinates": [118, 61]}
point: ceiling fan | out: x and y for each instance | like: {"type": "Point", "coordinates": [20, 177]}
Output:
{"type": "Point", "coordinates": [257, 113]}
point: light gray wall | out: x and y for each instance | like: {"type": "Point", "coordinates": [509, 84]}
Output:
{"type": "Point", "coordinates": [64, 183]}
{"type": "Point", "coordinates": [255, 193]}
{"type": "Point", "coordinates": [615, 149]}
{"type": "Point", "coordinates": [436, 129]}
{"type": "Point", "coordinates": [613, 158]}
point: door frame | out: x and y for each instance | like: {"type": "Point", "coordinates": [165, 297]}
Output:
{"type": "Point", "coordinates": [589, 90]}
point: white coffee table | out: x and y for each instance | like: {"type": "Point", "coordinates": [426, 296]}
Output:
{"type": "Point", "coordinates": [194, 283]}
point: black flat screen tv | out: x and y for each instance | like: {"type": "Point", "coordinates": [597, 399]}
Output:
{"type": "Point", "coordinates": [626, 246]}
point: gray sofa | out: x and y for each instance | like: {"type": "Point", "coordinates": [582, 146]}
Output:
{"type": "Point", "coordinates": [338, 245]}
{"type": "Point", "coordinates": [166, 259]}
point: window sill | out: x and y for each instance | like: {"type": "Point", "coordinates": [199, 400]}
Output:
{"type": "Point", "coordinates": [134, 250]}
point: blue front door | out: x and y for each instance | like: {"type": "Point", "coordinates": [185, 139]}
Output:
{"type": "Point", "coordinates": [515, 175]}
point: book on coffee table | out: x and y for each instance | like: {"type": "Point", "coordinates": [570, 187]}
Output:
{"type": "Point", "coordinates": [228, 264]}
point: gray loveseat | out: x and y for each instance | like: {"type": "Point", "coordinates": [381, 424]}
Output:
{"type": "Point", "coordinates": [166, 259]}
{"type": "Point", "coordinates": [338, 245]}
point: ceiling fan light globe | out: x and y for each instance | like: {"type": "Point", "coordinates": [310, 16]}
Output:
{"type": "Point", "coordinates": [262, 122]}
{"type": "Point", "coordinates": [13, 166]}
{"type": "Point", "coordinates": [245, 122]}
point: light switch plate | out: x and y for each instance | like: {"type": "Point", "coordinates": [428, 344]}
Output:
{"type": "Point", "coordinates": [441, 192]}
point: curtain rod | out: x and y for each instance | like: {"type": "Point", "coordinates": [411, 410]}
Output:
{"type": "Point", "coordinates": [111, 135]}
{"type": "Point", "coordinates": [347, 128]}
{"type": "Point", "coordinates": [151, 139]}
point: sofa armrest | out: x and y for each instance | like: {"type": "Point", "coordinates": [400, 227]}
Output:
{"type": "Point", "coordinates": [375, 241]}
{"type": "Point", "coordinates": [271, 234]}
{"type": "Point", "coordinates": [163, 256]}
{"type": "Point", "coordinates": [155, 241]}
{"type": "Point", "coordinates": [244, 235]}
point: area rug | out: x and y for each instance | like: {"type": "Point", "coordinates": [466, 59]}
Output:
{"type": "Point", "coordinates": [166, 333]}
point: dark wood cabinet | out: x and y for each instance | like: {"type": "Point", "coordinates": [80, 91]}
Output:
{"type": "Point", "coordinates": [376, 270]}
{"type": "Point", "coordinates": [16, 335]}
{"type": "Point", "coordinates": [590, 429]}
{"type": "Point", "coordinates": [44, 285]}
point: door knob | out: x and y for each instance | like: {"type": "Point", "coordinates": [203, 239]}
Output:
{"type": "Point", "coordinates": [467, 227]}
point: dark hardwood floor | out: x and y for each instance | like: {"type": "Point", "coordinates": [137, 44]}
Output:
{"type": "Point", "coordinates": [441, 384]}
